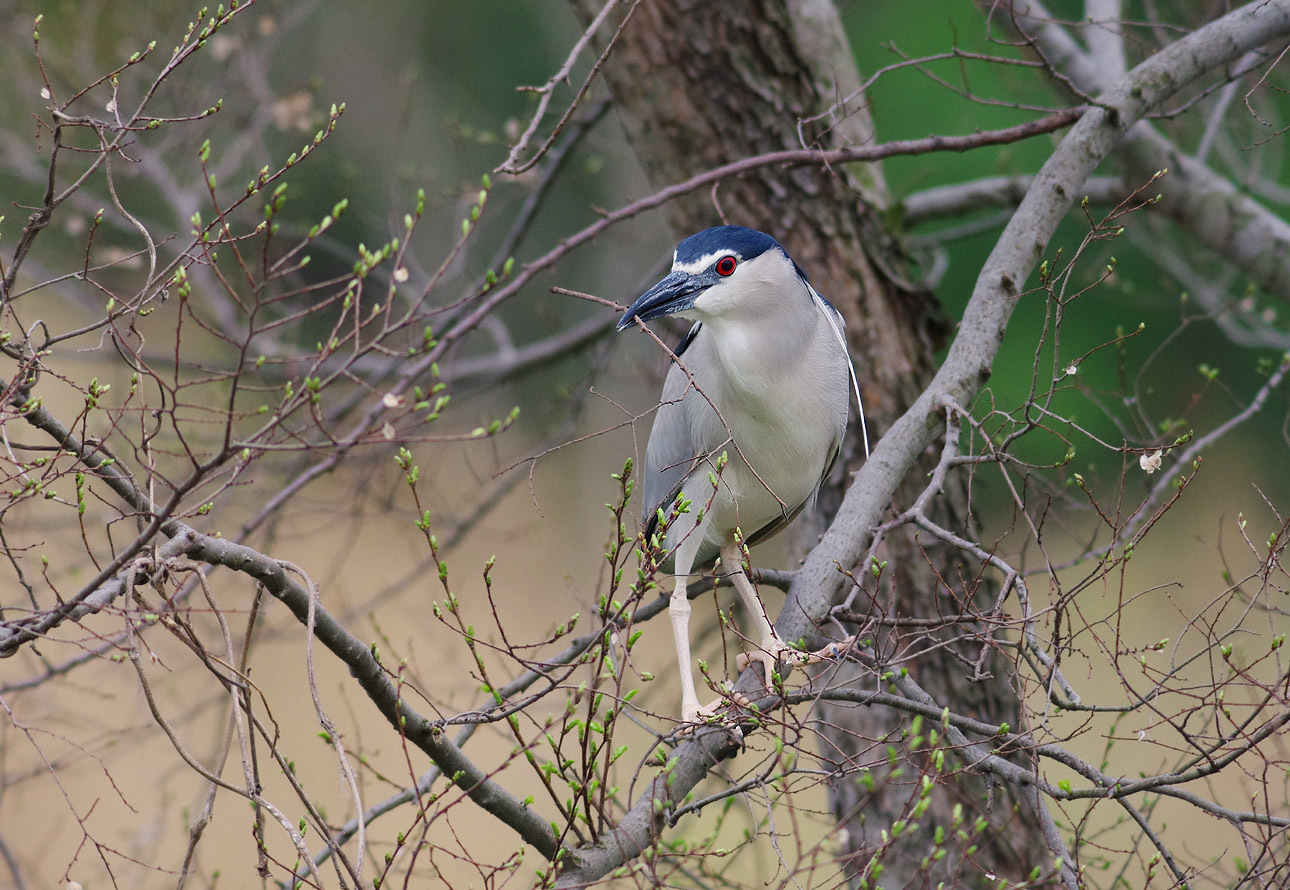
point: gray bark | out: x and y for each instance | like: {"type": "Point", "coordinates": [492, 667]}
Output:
{"type": "Point", "coordinates": [1205, 204]}
{"type": "Point", "coordinates": [690, 32]}
{"type": "Point", "coordinates": [697, 85]}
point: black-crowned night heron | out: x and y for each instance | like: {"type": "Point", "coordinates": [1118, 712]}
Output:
{"type": "Point", "coordinates": [763, 377]}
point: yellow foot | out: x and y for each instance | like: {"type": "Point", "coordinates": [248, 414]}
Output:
{"type": "Point", "coordinates": [775, 651]}
{"type": "Point", "coordinates": [699, 715]}
{"type": "Point", "coordinates": [695, 717]}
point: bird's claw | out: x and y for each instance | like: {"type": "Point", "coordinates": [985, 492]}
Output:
{"type": "Point", "coordinates": [776, 651]}
{"type": "Point", "coordinates": [706, 715]}
{"type": "Point", "coordinates": [700, 715]}
{"type": "Point", "coordinates": [722, 712]}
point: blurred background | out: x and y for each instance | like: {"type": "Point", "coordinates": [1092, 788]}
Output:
{"type": "Point", "coordinates": [91, 790]}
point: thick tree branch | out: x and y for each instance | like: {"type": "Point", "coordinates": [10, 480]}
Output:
{"type": "Point", "coordinates": [966, 368]}
{"type": "Point", "coordinates": [994, 191]}
{"type": "Point", "coordinates": [1208, 205]}
{"type": "Point", "coordinates": [1020, 247]}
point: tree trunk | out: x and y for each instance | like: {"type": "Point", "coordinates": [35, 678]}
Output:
{"type": "Point", "coordinates": [698, 85]}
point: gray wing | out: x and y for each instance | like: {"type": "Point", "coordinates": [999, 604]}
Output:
{"type": "Point", "coordinates": [673, 450]}
{"type": "Point", "coordinates": [838, 325]}
{"type": "Point", "coordinates": [676, 445]}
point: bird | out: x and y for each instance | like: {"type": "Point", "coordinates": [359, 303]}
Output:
{"type": "Point", "coordinates": [751, 420]}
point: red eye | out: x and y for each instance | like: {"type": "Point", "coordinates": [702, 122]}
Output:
{"type": "Point", "coordinates": [726, 266]}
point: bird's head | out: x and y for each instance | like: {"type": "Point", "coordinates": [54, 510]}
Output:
{"type": "Point", "coordinates": [719, 272]}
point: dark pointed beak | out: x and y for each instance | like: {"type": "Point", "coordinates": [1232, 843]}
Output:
{"type": "Point", "coordinates": [675, 293]}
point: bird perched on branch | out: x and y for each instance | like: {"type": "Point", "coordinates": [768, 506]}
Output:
{"type": "Point", "coordinates": [751, 420]}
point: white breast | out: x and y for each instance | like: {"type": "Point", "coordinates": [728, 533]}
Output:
{"type": "Point", "coordinates": [783, 391]}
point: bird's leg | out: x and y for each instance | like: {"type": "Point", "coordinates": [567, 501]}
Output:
{"type": "Point", "coordinates": [771, 649]}
{"type": "Point", "coordinates": [679, 611]}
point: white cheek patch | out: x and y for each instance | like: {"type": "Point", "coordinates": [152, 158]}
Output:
{"type": "Point", "coordinates": [752, 283]}
{"type": "Point", "coordinates": [715, 300]}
